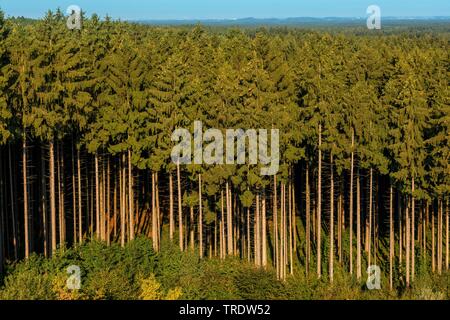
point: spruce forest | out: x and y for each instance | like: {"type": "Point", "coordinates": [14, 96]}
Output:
{"type": "Point", "coordinates": [86, 118]}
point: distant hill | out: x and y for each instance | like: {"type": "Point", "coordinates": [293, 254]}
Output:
{"type": "Point", "coordinates": [301, 21]}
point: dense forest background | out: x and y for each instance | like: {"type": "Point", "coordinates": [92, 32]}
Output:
{"type": "Point", "coordinates": [86, 118]}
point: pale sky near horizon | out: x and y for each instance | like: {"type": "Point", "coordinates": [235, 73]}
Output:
{"type": "Point", "coordinates": [228, 9]}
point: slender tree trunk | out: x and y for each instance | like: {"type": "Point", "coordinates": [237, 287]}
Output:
{"type": "Point", "coordinates": [400, 227]}
{"type": "Point", "coordinates": [25, 196]}
{"type": "Point", "coordinates": [408, 242]}
{"type": "Point", "coordinates": [413, 236]}
{"type": "Point", "coordinates": [331, 259]}
{"type": "Point", "coordinates": [255, 231]}
{"type": "Point", "coordinates": [171, 218]}
{"type": "Point", "coordinates": [52, 196]}
{"type": "Point", "coordinates": [159, 217]}
{"type": "Point", "coordinates": [43, 204]}
{"type": "Point", "coordinates": [154, 215]}
{"type": "Point", "coordinates": [13, 206]}
{"type": "Point", "coordinates": [63, 211]}
{"type": "Point", "coordinates": [191, 227]}
{"type": "Point", "coordinates": [433, 245]}
{"type": "Point", "coordinates": [446, 237]}
{"type": "Point", "coordinates": [122, 200]}
{"type": "Point", "coordinates": [308, 222]}
{"type": "Point", "coordinates": [97, 203]}
{"type": "Point", "coordinates": [351, 205]}
{"type": "Point", "coordinates": [130, 196]}
{"type": "Point", "coordinates": [108, 201]}
{"type": "Point", "coordinates": [58, 183]}
{"type": "Point", "coordinates": [440, 238]}
{"type": "Point", "coordinates": [358, 226]}
{"type": "Point", "coordinates": [248, 235]}
{"type": "Point", "coordinates": [425, 227]}
{"type": "Point", "coordinates": [74, 196]}
{"type": "Point", "coordinates": [264, 232]}
{"type": "Point", "coordinates": [229, 221]}
{"type": "Point", "coordinates": [2, 216]}
{"type": "Point", "coordinates": [275, 225]}
{"type": "Point", "coordinates": [292, 227]}
{"type": "Point", "coordinates": [319, 208]}
{"type": "Point", "coordinates": [80, 210]}
{"type": "Point", "coordinates": [369, 233]}
{"type": "Point", "coordinates": [180, 209]}
{"type": "Point", "coordinates": [222, 227]}
{"type": "Point", "coordinates": [281, 231]}
{"type": "Point", "coordinates": [341, 217]}
{"type": "Point", "coordinates": [200, 216]}
{"type": "Point", "coordinates": [101, 199]}
{"type": "Point", "coordinates": [391, 237]}
{"type": "Point", "coordinates": [116, 182]}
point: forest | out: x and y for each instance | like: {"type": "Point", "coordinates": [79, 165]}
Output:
{"type": "Point", "coordinates": [86, 118]}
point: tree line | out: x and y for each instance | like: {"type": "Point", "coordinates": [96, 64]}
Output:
{"type": "Point", "coordinates": [86, 118]}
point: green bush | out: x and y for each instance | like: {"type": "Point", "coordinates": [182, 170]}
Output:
{"type": "Point", "coordinates": [137, 272]}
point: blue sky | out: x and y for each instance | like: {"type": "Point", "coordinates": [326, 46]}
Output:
{"type": "Point", "coordinates": [220, 9]}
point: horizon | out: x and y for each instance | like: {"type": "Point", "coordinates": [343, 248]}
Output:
{"type": "Point", "coordinates": [136, 10]}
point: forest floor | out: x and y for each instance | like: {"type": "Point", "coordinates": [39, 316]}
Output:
{"type": "Point", "coordinates": [137, 272]}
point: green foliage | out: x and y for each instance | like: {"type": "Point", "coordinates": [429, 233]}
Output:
{"type": "Point", "coordinates": [136, 272]}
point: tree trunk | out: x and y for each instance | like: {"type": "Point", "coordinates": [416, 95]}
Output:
{"type": "Point", "coordinates": [351, 204]}
{"type": "Point", "coordinates": [62, 197]}
{"type": "Point", "coordinates": [446, 237]}
{"type": "Point", "coordinates": [52, 196]}
{"type": "Point", "coordinates": [43, 204]}
{"type": "Point", "coordinates": [264, 232]}
{"type": "Point", "coordinates": [154, 215]}
{"type": "Point", "coordinates": [200, 216]}
{"type": "Point", "coordinates": [308, 222]}
{"type": "Point", "coordinates": [400, 226]}
{"type": "Point", "coordinates": [180, 209]}
{"type": "Point", "coordinates": [433, 245]}
{"type": "Point", "coordinates": [222, 227]}
{"type": "Point", "coordinates": [191, 228]}
{"type": "Point", "coordinates": [341, 217]}
{"type": "Point", "coordinates": [80, 210]}
{"type": "Point", "coordinates": [440, 237]}
{"type": "Point", "coordinates": [408, 242]}
{"type": "Point", "coordinates": [248, 235]}
{"type": "Point", "coordinates": [74, 196]}
{"type": "Point", "coordinates": [358, 226]}
{"type": "Point", "coordinates": [275, 225]}
{"type": "Point", "coordinates": [292, 226]}
{"type": "Point", "coordinates": [319, 208]}
{"type": "Point", "coordinates": [391, 237]}
{"type": "Point", "coordinates": [413, 236]}
{"type": "Point", "coordinates": [282, 233]}
{"type": "Point", "coordinates": [12, 205]}
{"type": "Point", "coordinates": [130, 196]}
{"type": "Point", "coordinates": [255, 231]}
{"type": "Point", "coordinates": [2, 216]}
{"type": "Point", "coordinates": [229, 221]}
{"type": "Point", "coordinates": [171, 218]}
{"type": "Point", "coordinates": [108, 201]}
{"type": "Point", "coordinates": [97, 202]}
{"type": "Point", "coordinates": [369, 242]}
{"type": "Point", "coordinates": [122, 200]}
{"type": "Point", "coordinates": [331, 259]}
{"type": "Point", "coordinates": [25, 196]}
